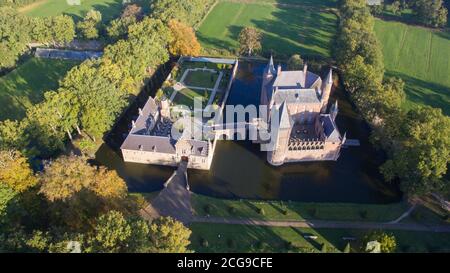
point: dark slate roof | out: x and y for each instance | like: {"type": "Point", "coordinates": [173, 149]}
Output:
{"type": "Point", "coordinates": [146, 117]}
{"type": "Point", "coordinates": [199, 148]}
{"type": "Point", "coordinates": [149, 144]}
{"type": "Point", "coordinates": [285, 120]}
{"type": "Point", "coordinates": [330, 129]}
{"type": "Point", "coordinates": [296, 96]}
{"type": "Point", "coordinates": [295, 79]}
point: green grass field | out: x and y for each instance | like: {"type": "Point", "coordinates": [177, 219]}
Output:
{"type": "Point", "coordinates": [26, 85]}
{"type": "Point", "coordinates": [204, 79]}
{"type": "Point", "coordinates": [421, 57]}
{"type": "Point", "coordinates": [277, 210]}
{"type": "Point", "coordinates": [241, 238]}
{"type": "Point", "coordinates": [109, 8]}
{"type": "Point", "coordinates": [287, 30]}
{"type": "Point", "coordinates": [186, 97]}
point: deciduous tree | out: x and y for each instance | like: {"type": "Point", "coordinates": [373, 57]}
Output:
{"type": "Point", "coordinates": [15, 172]}
{"type": "Point", "coordinates": [169, 236]}
{"type": "Point", "coordinates": [183, 42]}
{"type": "Point", "coordinates": [249, 40]}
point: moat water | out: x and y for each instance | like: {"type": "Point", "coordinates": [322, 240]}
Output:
{"type": "Point", "coordinates": [240, 169]}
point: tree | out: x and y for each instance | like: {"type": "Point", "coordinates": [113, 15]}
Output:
{"type": "Point", "coordinates": [347, 248]}
{"type": "Point", "coordinates": [169, 236]}
{"type": "Point", "coordinates": [64, 177]}
{"type": "Point", "coordinates": [89, 27]}
{"type": "Point", "coordinates": [115, 233]}
{"type": "Point", "coordinates": [14, 36]}
{"type": "Point", "coordinates": [387, 241]}
{"type": "Point", "coordinates": [108, 184]}
{"type": "Point", "coordinates": [324, 248]}
{"type": "Point", "coordinates": [7, 196]}
{"type": "Point", "coordinates": [249, 40]}
{"type": "Point", "coordinates": [15, 172]}
{"type": "Point", "coordinates": [395, 7]}
{"type": "Point", "coordinates": [431, 12]}
{"type": "Point", "coordinates": [188, 12]}
{"type": "Point", "coordinates": [110, 233]}
{"type": "Point", "coordinates": [184, 42]}
{"type": "Point", "coordinates": [422, 153]}
{"type": "Point", "coordinates": [133, 11]}
{"type": "Point", "coordinates": [118, 28]}
{"type": "Point", "coordinates": [295, 62]}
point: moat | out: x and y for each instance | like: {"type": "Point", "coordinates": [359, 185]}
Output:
{"type": "Point", "coordinates": [240, 169]}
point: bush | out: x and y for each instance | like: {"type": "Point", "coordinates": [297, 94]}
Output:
{"type": "Point", "coordinates": [231, 243]}
{"type": "Point", "coordinates": [312, 212]}
{"type": "Point", "coordinates": [207, 208]}
{"type": "Point", "coordinates": [363, 214]}
{"type": "Point", "coordinates": [232, 210]}
{"type": "Point", "coordinates": [204, 242]}
{"type": "Point", "coordinates": [288, 245]}
{"type": "Point", "coordinates": [261, 211]}
{"type": "Point", "coordinates": [260, 245]}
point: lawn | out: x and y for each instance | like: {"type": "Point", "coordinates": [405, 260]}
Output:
{"type": "Point", "coordinates": [308, 29]}
{"type": "Point", "coordinates": [109, 8]}
{"type": "Point", "coordinates": [278, 210]}
{"type": "Point", "coordinates": [421, 57]}
{"type": "Point", "coordinates": [186, 97]}
{"type": "Point", "coordinates": [204, 79]}
{"type": "Point", "coordinates": [242, 238]}
{"type": "Point", "coordinates": [26, 85]}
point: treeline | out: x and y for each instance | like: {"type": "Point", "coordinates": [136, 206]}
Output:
{"type": "Point", "coordinates": [74, 207]}
{"type": "Point", "coordinates": [68, 203]}
{"type": "Point", "coordinates": [17, 31]}
{"type": "Point", "coordinates": [16, 3]}
{"type": "Point", "coordinates": [432, 13]}
{"type": "Point", "coordinates": [93, 94]}
{"type": "Point", "coordinates": [416, 141]}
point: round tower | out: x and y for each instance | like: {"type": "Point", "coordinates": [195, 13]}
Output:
{"type": "Point", "coordinates": [326, 91]}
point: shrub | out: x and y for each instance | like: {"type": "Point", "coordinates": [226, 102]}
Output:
{"type": "Point", "coordinates": [232, 210]}
{"type": "Point", "coordinates": [261, 211]}
{"type": "Point", "coordinates": [363, 214]}
{"type": "Point", "coordinates": [204, 242]}
{"type": "Point", "coordinates": [207, 208]}
{"type": "Point", "coordinates": [231, 243]}
{"type": "Point", "coordinates": [260, 245]}
{"type": "Point", "coordinates": [288, 245]}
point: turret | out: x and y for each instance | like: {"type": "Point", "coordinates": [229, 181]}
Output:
{"type": "Point", "coordinates": [270, 69]}
{"type": "Point", "coordinates": [334, 110]}
{"type": "Point", "coordinates": [326, 90]}
{"type": "Point", "coordinates": [279, 69]}
{"type": "Point", "coordinates": [280, 136]}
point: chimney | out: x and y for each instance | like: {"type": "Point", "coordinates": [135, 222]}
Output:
{"type": "Point", "coordinates": [278, 69]}
{"type": "Point", "coordinates": [140, 112]}
{"type": "Point", "coordinates": [305, 69]}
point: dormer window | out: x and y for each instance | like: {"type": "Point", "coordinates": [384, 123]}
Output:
{"type": "Point", "coordinates": [141, 148]}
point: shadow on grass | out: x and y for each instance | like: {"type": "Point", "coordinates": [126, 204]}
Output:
{"type": "Point", "coordinates": [425, 93]}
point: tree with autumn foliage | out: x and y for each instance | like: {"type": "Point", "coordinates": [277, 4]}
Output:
{"type": "Point", "coordinates": [15, 172]}
{"type": "Point", "coordinates": [249, 40]}
{"type": "Point", "coordinates": [184, 42]}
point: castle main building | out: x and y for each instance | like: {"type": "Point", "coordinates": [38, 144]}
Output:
{"type": "Point", "coordinates": [305, 131]}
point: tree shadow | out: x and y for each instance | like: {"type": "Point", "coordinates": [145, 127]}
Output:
{"type": "Point", "coordinates": [423, 92]}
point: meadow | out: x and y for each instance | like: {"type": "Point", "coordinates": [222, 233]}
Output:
{"type": "Point", "coordinates": [109, 8]}
{"type": "Point", "coordinates": [27, 84]}
{"type": "Point", "coordinates": [305, 28]}
{"type": "Point", "coordinates": [242, 238]}
{"type": "Point", "coordinates": [421, 57]}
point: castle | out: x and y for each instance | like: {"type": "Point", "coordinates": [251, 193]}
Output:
{"type": "Point", "coordinates": [304, 131]}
